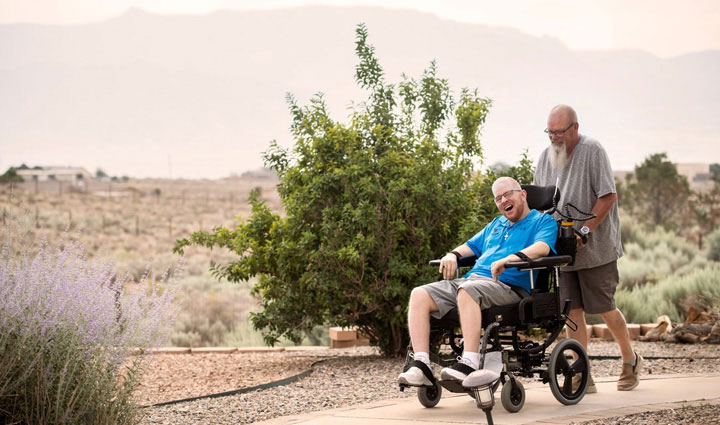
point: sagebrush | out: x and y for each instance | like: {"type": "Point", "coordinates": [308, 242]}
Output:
{"type": "Point", "coordinates": [68, 326]}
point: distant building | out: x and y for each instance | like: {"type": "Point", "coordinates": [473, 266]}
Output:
{"type": "Point", "coordinates": [74, 175]}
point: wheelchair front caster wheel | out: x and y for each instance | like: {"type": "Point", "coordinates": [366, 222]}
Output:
{"type": "Point", "coordinates": [430, 396]}
{"type": "Point", "coordinates": [513, 396]}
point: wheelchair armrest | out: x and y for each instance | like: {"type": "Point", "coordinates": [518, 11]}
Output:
{"type": "Point", "coordinates": [541, 263]}
{"type": "Point", "coordinates": [463, 262]}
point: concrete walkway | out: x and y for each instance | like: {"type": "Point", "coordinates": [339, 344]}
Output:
{"type": "Point", "coordinates": [655, 392]}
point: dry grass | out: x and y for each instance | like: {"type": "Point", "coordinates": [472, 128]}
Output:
{"type": "Point", "coordinates": [136, 224]}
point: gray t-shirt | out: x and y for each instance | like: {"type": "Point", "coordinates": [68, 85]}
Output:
{"type": "Point", "coordinates": [586, 177]}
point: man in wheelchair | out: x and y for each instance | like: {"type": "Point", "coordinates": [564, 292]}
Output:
{"type": "Point", "coordinates": [518, 234]}
{"type": "Point", "coordinates": [511, 288]}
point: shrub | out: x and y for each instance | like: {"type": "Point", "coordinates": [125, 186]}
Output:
{"type": "Point", "coordinates": [652, 254]}
{"type": "Point", "coordinates": [366, 205]}
{"type": "Point", "coordinates": [67, 328]}
{"type": "Point", "coordinates": [671, 295]}
{"type": "Point", "coordinates": [714, 245]}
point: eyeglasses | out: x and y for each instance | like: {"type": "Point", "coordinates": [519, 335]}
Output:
{"type": "Point", "coordinates": [558, 132]}
{"type": "Point", "coordinates": [506, 195]}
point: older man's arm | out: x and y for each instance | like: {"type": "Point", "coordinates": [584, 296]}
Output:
{"type": "Point", "coordinates": [600, 209]}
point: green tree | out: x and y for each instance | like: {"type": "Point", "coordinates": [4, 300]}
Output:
{"type": "Point", "coordinates": [656, 194]}
{"type": "Point", "coordinates": [11, 176]}
{"type": "Point", "coordinates": [100, 174]}
{"type": "Point", "coordinates": [706, 210]}
{"type": "Point", "coordinates": [715, 171]}
{"type": "Point", "coordinates": [367, 204]}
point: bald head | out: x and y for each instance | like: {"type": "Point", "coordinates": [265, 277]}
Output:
{"type": "Point", "coordinates": [565, 113]}
{"type": "Point", "coordinates": [505, 183]}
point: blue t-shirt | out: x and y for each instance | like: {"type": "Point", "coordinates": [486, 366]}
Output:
{"type": "Point", "coordinates": [499, 239]}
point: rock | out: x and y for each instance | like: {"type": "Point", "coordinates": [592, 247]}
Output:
{"type": "Point", "coordinates": [656, 334]}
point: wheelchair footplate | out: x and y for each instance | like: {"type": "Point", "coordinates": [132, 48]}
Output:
{"type": "Point", "coordinates": [454, 386]}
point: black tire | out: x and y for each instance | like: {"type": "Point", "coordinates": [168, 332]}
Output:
{"type": "Point", "coordinates": [563, 366]}
{"type": "Point", "coordinates": [513, 396]}
{"type": "Point", "coordinates": [430, 396]}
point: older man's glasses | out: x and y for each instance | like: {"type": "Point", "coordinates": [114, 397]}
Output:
{"type": "Point", "coordinates": [505, 195]}
{"type": "Point", "coordinates": [557, 133]}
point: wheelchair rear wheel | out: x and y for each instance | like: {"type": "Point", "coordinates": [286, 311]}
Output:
{"type": "Point", "coordinates": [513, 396]}
{"type": "Point", "coordinates": [567, 360]}
{"type": "Point", "coordinates": [430, 396]}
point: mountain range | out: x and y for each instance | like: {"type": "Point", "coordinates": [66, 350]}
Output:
{"type": "Point", "coordinates": [150, 95]}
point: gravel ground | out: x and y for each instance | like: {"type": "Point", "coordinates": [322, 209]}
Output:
{"type": "Point", "coordinates": [354, 376]}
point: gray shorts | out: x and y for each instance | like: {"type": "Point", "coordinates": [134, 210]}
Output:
{"type": "Point", "coordinates": [484, 290]}
{"type": "Point", "coordinates": [591, 289]}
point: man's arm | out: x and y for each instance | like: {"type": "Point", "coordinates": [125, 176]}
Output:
{"type": "Point", "coordinates": [536, 250]}
{"type": "Point", "coordinates": [601, 209]}
{"type": "Point", "coordinates": [448, 264]}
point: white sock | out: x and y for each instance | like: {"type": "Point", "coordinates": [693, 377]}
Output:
{"type": "Point", "coordinates": [472, 358]}
{"type": "Point", "coordinates": [423, 357]}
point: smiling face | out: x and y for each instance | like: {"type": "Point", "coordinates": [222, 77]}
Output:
{"type": "Point", "coordinates": [510, 199]}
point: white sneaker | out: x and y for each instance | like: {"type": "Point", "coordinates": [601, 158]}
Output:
{"type": "Point", "coordinates": [415, 376]}
{"type": "Point", "coordinates": [488, 374]}
{"type": "Point", "coordinates": [457, 372]}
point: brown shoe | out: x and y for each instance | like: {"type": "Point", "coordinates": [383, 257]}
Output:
{"type": "Point", "coordinates": [629, 375]}
{"type": "Point", "coordinates": [591, 388]}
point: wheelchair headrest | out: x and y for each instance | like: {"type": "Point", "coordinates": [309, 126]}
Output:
{"type": "Point", "coordinates": [541, 197]}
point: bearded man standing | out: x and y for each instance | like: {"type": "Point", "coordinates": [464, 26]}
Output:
{"type": "Point", "coordinates": [581, 168]}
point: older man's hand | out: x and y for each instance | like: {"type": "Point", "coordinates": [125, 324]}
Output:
{"type": "Point", "coordinates": [448, 266]}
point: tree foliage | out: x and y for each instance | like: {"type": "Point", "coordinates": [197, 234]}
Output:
{"type": "Point", "coordinates": [656, 193]}
{"type": "Point", "coordinates": [367, 204]}
{"type": "Point", "coordinates": [11, 176]}
{"type": "Point", "coordinates": [706, 210]}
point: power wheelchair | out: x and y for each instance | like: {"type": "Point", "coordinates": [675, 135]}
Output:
{"type": "Point", "coordinates": [511, 354]}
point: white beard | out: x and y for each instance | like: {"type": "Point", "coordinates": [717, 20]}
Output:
{"type": "Point", "coordinates": [558, 156]}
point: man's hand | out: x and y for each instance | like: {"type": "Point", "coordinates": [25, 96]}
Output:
{"type": "Point", "coordinates": [580, 244]}
{"type": "Point", "coordinates": [498, 267]}
{"type": "Point", "coordinates": [448, 266]}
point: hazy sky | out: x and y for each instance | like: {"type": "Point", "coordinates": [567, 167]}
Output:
{"type": "Point", "coordinates": [662, 27]}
